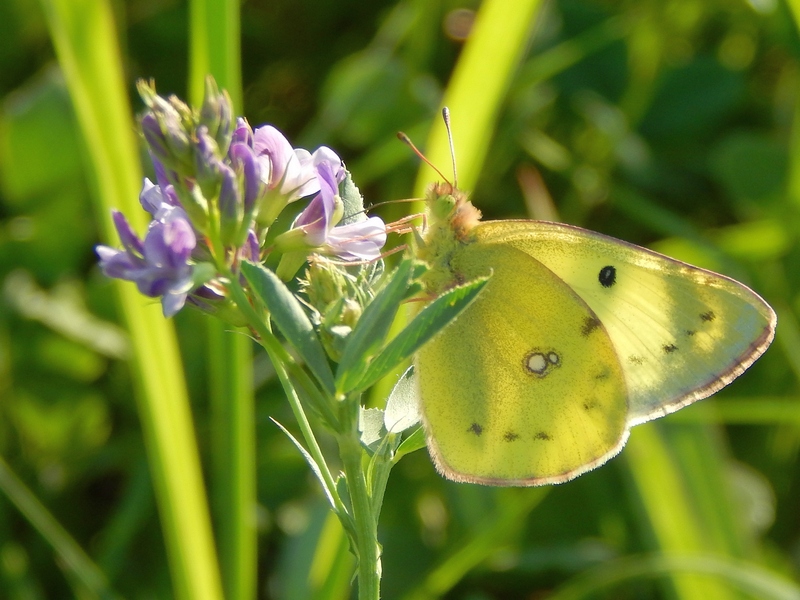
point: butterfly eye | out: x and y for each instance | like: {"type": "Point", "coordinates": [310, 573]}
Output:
{"type": "Point", "coordinates": [608, 276]}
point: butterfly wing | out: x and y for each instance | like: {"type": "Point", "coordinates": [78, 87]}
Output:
{"type": "Point", "coordinates": [518, 390]}
{"type": "Point", "coordinates": [681, 333]}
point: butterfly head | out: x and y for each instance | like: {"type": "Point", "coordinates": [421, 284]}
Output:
{"type": "Point", "coordinates": [449, 208]}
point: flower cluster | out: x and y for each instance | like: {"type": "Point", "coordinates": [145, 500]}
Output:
{"type": "Point", "coordinates": [220, 186]}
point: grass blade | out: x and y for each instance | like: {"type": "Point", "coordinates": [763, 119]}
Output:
{"type": "Point", "coordinates": [75, 560]}
{"type": "Point", "coordinates": [478, 86]}
{"type": "Point", "coordinates": [215, 49]}
{"type": "Point", "coordinates": [85, 39]}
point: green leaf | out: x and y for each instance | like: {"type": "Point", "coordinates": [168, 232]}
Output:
{"type": "Point", "coordinates": [372, 328]}
{"type": "Point", "coordinates": [311, 463]}
{"type": "Point", "coordinates": [288, 314]}
{"type": "Point", "coordinates": [414, 442]}
{"type": "Point", "coordinates": [402, 406]}
{"type": "Point", "coordinates": [432, 319]}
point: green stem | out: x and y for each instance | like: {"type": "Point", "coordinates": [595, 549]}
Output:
{"type": "Point", "coordinates": [365, 519]}
{"type": "Point", "coordinates": [280, 360]}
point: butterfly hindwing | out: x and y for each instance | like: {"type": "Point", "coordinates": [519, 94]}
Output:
{"type": "Point", "coordinates": [525, 387]}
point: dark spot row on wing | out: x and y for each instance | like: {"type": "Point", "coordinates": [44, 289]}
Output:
{"type": "Point", "coordinates": [510, 436]}
{"type": "Point", "coordinates": [476, 429]}
{"type": "Point", "coordinates": [589, 325]}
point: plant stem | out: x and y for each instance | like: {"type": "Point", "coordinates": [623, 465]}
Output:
{"type": "Point", "coordinates": [281, 361]}
{"type": "Point", "coordinates": [364, 518]}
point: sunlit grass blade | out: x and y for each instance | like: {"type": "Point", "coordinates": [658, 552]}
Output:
{"type": "Point", "coordinates": [75, 561]}
{"type": "Point", "coordinates": [738, 575]}
{"type": "Point", "coordinates": [233, 475]}
{"type": "Point", "coordinates": [215, 49]}
{"type": "Point", "coordinates": [478, 86]}
{"type": "Point", "coordinates": [85, 40]}
{"type": "Point", "coordinates": [317, 564]}
{"type": "Point", "coordinates": [675, 500]}
{"type": "Point", "coordinates": [495, 531]}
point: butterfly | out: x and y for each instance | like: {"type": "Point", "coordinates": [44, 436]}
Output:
{"type": "Point", "coordinates": [576, 338]}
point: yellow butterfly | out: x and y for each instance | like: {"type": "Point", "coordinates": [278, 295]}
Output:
{"type": "Point", "coordinates": [576, 338]}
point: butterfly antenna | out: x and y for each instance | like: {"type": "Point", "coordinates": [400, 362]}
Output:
{"type": "Point", "coordinates": [407, 141]}
{"type": "Point", "coordinates": [446, 118]}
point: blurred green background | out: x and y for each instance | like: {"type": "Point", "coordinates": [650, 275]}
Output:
{"type": "Point", "coordinates": [669, 123]}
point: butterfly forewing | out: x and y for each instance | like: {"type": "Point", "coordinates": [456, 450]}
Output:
{"type": "Point", "coordinates": [680, 332]}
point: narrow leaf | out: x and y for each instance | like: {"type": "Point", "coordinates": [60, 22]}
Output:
{"type": "Point", "coordinates": [291, 319]}
{"type": "Point", "coordinates": [372, 328]}
{"type": "Point", "coordinates": [432, 319]}
{"type": "Point", "coordinates": [311, 463]}
{"type": "Point", "coordinates": [414, 442]}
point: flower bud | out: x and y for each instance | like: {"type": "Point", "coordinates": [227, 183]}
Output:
{"type": "Point", "coordinates": [216, 114]}
{"type": "Point", "coordinates": [248, 169]}
{"type": "Point", "coordinates": [207, 163]}
{"type": "Point", "coordinates": [243, 134]}
{"type": "Point", "coordinates": [167, 128]}
{"type": "Point", "coordinates": [231, 209]}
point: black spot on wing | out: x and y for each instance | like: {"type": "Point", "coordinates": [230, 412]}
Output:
{"type": "Point", "coordinates": [542, 435]}
{"type": "Point", "coordinates": [589, 325]}
{"type": "Point", "coordinates": [607, 276]}
{"type": "Point", "coordinates": [635, 360]}
{"type": "Point", "coordinates": [690, 332]}
{"type": "Point", "coordinates": [510, 436]}
{"type": "Point", "coordinates": [669, 348]}
{"type": "Point", "coordinates": [476, 429]}
{"type": "Point", "coordinates": [708, 316]}
{"type": "Point", "coordinates": [590, 404]}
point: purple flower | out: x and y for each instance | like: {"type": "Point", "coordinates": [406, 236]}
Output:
{"type": "Point", "coordinates": [159, 264]}
{"type": "Point", "coordinates": [315, 226]}
{"type": "Point", "coordinates": [243, 160]}
{"type": "Point", "coordinates": [158, 201]}
{"type": "Point", "coordinates": [358, 241]}
{"type": "Point", "coordinates": [290, 171]}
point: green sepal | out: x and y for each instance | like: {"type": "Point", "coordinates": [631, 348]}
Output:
{"type": "Point", "coordinates": [352, 200]}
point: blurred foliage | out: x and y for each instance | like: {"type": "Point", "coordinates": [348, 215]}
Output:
{"type": "Point", "coordinates": [666, 123]}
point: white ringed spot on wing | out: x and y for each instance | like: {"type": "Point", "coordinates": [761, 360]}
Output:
{"type": "Point", "coordinates": [539, 362]}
